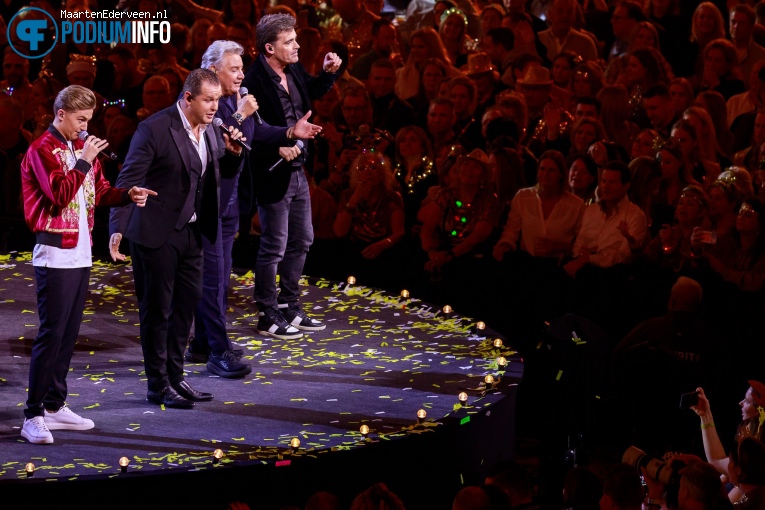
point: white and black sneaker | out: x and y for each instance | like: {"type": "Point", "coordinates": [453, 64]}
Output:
{"type": "Point", "coordinates": [271, 323]}
{"type": "Point", "coordinates": [295, 316]}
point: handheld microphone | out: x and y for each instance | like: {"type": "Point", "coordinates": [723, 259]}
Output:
{"type": "Point", "coordinates": [243, 92]}
{"type": "Point", "coordinates": [106, 152]}
{"type": "Point", "coordinates": [298, 144]}
{"type": "Point", "coordinates": [227, 130]}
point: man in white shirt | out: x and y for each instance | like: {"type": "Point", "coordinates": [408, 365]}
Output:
{"type": "Point", "coordinates": [613, 227]}
{"type": "Point", "coordinates": [562, 36]}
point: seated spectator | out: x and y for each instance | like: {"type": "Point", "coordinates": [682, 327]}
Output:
{"type": "Point", "coordinates": [612, 228]}
{"type": "Point", "coordinates": [721, 70]}
{"type": "Point", "coordinates": [726, 195]}
{"type": "Point", "coordinates": [644, 183]}
{"type": "Point", "coordinates": [642, 147]}
{"type": "Point", "coordinates": [750, 156]}
{"type": "Point", "coordinates": [371, 216]}
{"type": "Point", "coordinates": [424, 44]}
{"type": "Point", "coordinates": [415, 171]}
{"type": "Point", "coordinates": [671, 249]}
{"type": "Point", "coordinates": [615, 115]}
{"type": "Point", "coordinates": [747, 472]}
{"type": "Point", "coordinates": [389, 113]}
{"type": "Point", "coordinates": [659, 109]}
{"type": "Point", "coordinates": [383, 45]}
{"type": "Point", "coordinates": [681, 92]}
{"type": "Point", "coordinates": [587, 80]}
{"type": "Point", "coordinates": [156, 96]}
{"type": "Point", "coordinates": [675, 176]}
{"type": "Point", "coordinates": [583, 177]}
{"type": "Point", "coordinates": [700, 487]}
{"type": "Point", "coordinates": [705, 131]}
{"type": "Point", "coordinates": [686, 138]}
{"type": "Point", "coordinates": [713, 104]}
{"type": "Point", "coordinates": [543, 220]}
{"type": "Point", "coordinates": [514, 481]}
{"type": "Point", "coordinates": [377, 497]}
{"type": "Point", "coordinates": [645, 69]}
{"type": "Point", "coordinates": [562, 36]}
{"type": "Point", "coordinates": [622, 490]}
{"type": "Point", "coordinates": [582, 489]}
{"type": "Point", "coordinates": [453, 34]}
{"type": "Point", "coordinates": [434, 72]}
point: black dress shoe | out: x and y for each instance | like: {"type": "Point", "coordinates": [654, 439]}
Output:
{"type": "Point", "coordinates": [169, 397]}
{"type": "Point", "coordinates": [185, 390]}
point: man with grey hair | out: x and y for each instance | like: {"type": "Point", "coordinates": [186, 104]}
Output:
{"type": "Point", "coordinates": [284, 203]}
{"type": "Point", "coordinates": [210, 342]}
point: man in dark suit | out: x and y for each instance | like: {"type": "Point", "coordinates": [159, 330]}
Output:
{"type": "Point", "coordinates": [285, 91]}
{"type": "Point", "coordinates": [180, 156]}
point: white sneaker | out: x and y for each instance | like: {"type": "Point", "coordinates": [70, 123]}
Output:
{"type": "Point", "coordinates": [66, 419]}
{"type": "Point", "coordinates": [35, 431]}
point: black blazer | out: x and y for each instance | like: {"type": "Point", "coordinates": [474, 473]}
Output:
{"type": "Point", "coordinates": [271, 187]}
{"type": "Point", "coordinates": [161, 158]}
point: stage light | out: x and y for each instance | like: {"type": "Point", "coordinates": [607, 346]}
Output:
{"type": "Point", "coordinates": [124, 462]}
{"type": "Point", "coordinates": [364, 429]}
{"type": "Point", "coordinates": [480, 325]}
{"type": "Point", "coordinates": [295, 443]}
{"type": "Point", "coordinates": [463, 398]}
{"type": "Point", "coordinates": [501, 362]}
{"type": "Point", "coordinates": [30, 469]}
{"type": "Point", "coordinates": [217, 455]}
{"type": "Point", "coordinates": [404, 293]}
{"type": "Point", "coordinates": [497, 343]}
{"type": "Point", "coordinates": [447, 309]}
{"type": "Point", "coordinates": [351, 280]}
{"type": "Point", "coordinates": [489, 380]}
{"type": "Point", "coordinates": [421, 415]}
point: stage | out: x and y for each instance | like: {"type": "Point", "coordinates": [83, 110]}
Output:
{"type": "Point", "coordinates": [381, 358]}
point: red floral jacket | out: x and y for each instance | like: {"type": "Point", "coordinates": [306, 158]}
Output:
{"type": "Point", "coordinates": [49, 188]}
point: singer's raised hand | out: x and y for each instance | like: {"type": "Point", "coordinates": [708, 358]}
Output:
{"type": "Point", "coordinates": [304, 129]}
{"type": "Point", "coordinates": [332, 63]}
{"type": "Point", "coordinates": [246, 105]}
{"type": "Point", "coordinates": [140, 195]}
{"type": "Point", "coordinates": [289, 153]}
{"type": "Point", "coordinates": [92, 147]}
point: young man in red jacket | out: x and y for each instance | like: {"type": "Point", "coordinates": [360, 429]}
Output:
{"type": "Point", "coordinates": [62, 182]}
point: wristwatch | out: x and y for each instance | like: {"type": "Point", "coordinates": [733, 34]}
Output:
{"type": "Point", "coordinates": [238, 117]}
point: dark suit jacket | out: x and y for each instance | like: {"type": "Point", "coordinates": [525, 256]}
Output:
{"type": "Point", "coordinates": [162, 158]}
{"type": "Point", "coordinates": [270, 187]}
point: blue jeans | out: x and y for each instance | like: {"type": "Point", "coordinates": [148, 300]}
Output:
{"type": "Point", "coordinates": [210, 325]}
{"type": "Point", "coordinates": [287, 235]}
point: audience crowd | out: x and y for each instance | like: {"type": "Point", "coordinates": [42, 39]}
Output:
{"type": "Point", "coordinates": [518, 160]}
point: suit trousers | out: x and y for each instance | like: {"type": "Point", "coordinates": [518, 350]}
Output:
{"type": "Point", "coordinates": [287, 235]}
{"type": "Point", "coordinates": [60, 302]}
{"type": "Point", "coordinates": [168, 284]}
{"type": "Point", "coordinates": [210, 324]}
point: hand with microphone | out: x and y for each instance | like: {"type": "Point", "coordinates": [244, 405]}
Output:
{"type": "Point", "coordinates": [288, 154]}
{"type": "Point", "coordinates": [242, 93]}
{"type": "Point", "coordinates": [231, 132]}
{"type": "Point", "coordinates": [93, 147]}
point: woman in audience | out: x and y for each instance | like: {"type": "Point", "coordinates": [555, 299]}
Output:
{"type": "Point", "coordinates": [454, 37]}
{"type": "Point", "coordinates": [424, 44]}
{"type": "Point", "coordinates": [583, 178]}
{"type": "Point", "coordinates": [675, 176]}
{"type": "Point", "coordinates": [545, 219]}
{"type": "Point", "coordinates": [615, 112]}
{"type": "Point", "coordinates": [645, 67]}
{"type": "Point", "coordinates": [414, 170]}
{"type": "Point", "coordinates": [681, 92]}
{"type": "Point", "coordinates": [746, 467]}
{"type": "Point", "coordinates": [702, 169]}
{"type": "Point", "coordinates": [371, 216]}
{"type": "Point", "coordinates": [433, 73]}
{"type": "Point", "coordinates": [706, 26]}
{"type": "Point", "coordinates": [585, 132]}
{"type": "Point", "coordinates": [671, 249]}
{"type": "Point", "coordinates": [714, 104]}
{"type": "Point", "coordinates": [644, 182]}
{"type": "Point", "coordinates": [643, 144]}
{"type": "Point", "coordinates": [705, 131]}
{"type": "Point", "coordinates": [721, 71]}
{"type": "Point", "coordinates": [587, 80]}
{"type": "Point", "coordinates": [644, 35]}
{"type": "Point", "coordinates": [563, 68]}
{"type": "Point", "coordinates": [750, 425]}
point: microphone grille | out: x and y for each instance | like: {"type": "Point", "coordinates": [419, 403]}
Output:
{"type": "Point", "coordinates": [83, 135]}
{"type": "Point", "coordinates": [243, 91]}
{"type": "Point", "coordinates": [217, 122]}
{"type": "Point", "coordinates": [300, 144]}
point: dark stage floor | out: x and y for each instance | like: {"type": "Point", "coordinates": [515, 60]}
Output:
{"type": "Point", "coordinates": [381, 358]}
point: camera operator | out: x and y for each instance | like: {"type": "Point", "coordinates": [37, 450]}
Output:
{"type": "Point", "coordinates": [700, 487]}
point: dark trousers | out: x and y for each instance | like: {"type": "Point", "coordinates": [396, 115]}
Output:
{"type": "Point", "coordinates": [287, 235]}
{"type": "Point", "coordinates": [210, 325]}
{"type": "Point", "coordinates": [60, 302]}
{"type": "Point", "coordinates": [168, 284]}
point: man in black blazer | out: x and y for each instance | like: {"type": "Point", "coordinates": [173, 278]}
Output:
{"type": "Point", "coordinates": [183, 157]}
{"type": "Point", "coordinates": [284, 91]}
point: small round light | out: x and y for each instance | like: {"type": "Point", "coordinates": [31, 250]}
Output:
{"type": "Point", "coordinates": [501, 362]}
{"type": "Point", "coordinates": [364, 429]}
{"type": "Point", "coordinates": [295, 442]}
{"type": "Point", "coordinates": [422, 414]}
{"type": "Point", "coordinates": [463, 397]}
{"type": "Point", "coordinates": [447, 309]}
{"type": "Point", "coordinates": [351, 280]}
{"type": "Point", "coordinates": [30, 469]}
{"type": "Point", "coordinates": [124, 462]}
{"type": "Point", "coordinates": [404, 293]}
{"type": "Point", "coordinates": [480, 325]}
{"type": "Point", "coordinates": [489, 379]}
{"type": "Point", "coordinates": [218, 454]}
{"type": "Point", "coordinates": [497, 342]}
